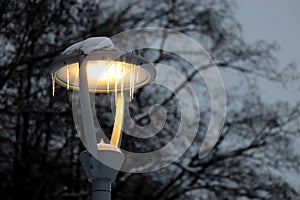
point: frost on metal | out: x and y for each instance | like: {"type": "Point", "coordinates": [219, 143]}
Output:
{"type": "Point", "coordinates": [91, 44]}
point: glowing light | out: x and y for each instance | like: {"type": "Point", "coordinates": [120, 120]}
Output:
{"type": "Point", "coordinates": [98, 70]}
{"type": "Point", "coordinates": [104, 76]}
{"type": "Point", "coordinates": [116, 134]}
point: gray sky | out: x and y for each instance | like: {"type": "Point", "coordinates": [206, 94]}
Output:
{"type": "Point", "coordinates": [274, 20]}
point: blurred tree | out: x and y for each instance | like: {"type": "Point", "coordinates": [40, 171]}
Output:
{"type": "Point", "coordinates": [39, 146]}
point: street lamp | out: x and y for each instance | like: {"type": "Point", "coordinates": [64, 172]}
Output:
{"type": "Point", "coordinates": [95, 65]}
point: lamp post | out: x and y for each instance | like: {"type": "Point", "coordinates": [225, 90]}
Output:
{"type": "Point", "coordinates": [95, 65]}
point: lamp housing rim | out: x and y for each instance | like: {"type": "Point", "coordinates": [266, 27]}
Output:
{"type": "Point", "coordinates": [78, 56]}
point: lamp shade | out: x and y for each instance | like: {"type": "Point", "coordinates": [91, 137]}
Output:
{"type": "Point", "coordinates": [107, 70]}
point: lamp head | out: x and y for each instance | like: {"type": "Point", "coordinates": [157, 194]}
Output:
{"type": "Point", "coordinates": [107, 69]}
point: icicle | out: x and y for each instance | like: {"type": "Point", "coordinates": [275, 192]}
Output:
{"type": "Point", "coordinates": [133, 81]}
{"type": "Point", "coordinates": [107, 81]}
{"type": "Point", "coordinates": [68, 77]}
{"type": "Point", "coordinates": [122, 82]}
{"type": "Point", "coordinates": [116, 85]}
{"type": "Point", "coordinates": [138, 73]}
{"type": "Point", "coordinates": [130, 83]}
{"type": "Point", "coordinates": [53, 84]}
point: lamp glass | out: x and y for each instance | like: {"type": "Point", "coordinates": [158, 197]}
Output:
{"type": "Point", "coordinates": [104, 76]}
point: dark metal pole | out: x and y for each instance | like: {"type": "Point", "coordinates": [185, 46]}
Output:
{"type": "Point", "coordinates": [102, 172]}
{"type": "Point", "coordinates": [101, 189]}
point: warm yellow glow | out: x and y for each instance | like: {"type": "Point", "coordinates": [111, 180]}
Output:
{"type": "Point", "coordinates": [99, 70]}
{"type": "Point", "coordinates": [104, 76]}
{"type": "Point", "coordinates": [116, 134]}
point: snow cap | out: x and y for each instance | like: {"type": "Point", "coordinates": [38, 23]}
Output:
{"type": "Point", "coordinates": [91, 44]}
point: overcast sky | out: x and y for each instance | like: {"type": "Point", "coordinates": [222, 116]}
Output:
{"type": "Point", "coordinates": [274, 20]}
